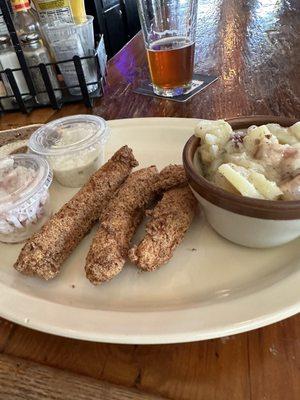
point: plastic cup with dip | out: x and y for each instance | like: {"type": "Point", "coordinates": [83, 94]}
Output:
{"type": "Point", "coordinates": [24, 196]}
{"type": "Point", "coordinates": [74, 147]}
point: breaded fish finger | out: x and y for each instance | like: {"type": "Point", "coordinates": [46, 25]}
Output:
{"type": "Point", "coordinates": [110, 245]}
{"type": "Point", "coordinates": [170, 176]}
{"type": "Point", "coordinates": [109, 249]}
{"type": "Point", "coordinates": [169, 221]}
{"type": "Point", "coordinates": [44, 253]}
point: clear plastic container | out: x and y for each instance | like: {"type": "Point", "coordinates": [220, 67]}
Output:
{"type": "Point", "coordinates": [24, 196]}
{"type": "Point", "coordinates": [71, 40]}
{"type": "Point", "coordinates": [73, 146]}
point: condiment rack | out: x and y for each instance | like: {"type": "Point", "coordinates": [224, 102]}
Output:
{"type": "Point", "coordinates": [25, 102]}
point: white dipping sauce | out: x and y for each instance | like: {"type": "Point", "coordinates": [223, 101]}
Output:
{"type": "Point", "coordinates": [75, 172]}
{"type": "Point", "coordinates": [74, 147]}
{"type": "Point", "coordinates": [71, 169]}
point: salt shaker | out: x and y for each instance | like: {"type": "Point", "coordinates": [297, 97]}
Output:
{"type": "Point", "coordinates": [36, 53]}
{"type": "Point", "coordinates": [9, 59]}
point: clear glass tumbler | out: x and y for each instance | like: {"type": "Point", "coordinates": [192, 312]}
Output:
{"type": "Point", "coordinates": [169, 29]}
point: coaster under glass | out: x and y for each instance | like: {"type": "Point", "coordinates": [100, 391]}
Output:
{"type": "Point", "coordinates": [199, 83]}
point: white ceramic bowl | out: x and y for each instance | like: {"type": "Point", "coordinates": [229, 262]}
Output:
{"type": "Point", "coordinates": [244, 220]}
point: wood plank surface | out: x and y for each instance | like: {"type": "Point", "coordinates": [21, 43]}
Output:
{"type": "Point", "coordinates": [251, 45]}
{"type": "Point", "coordinates": [22, 380]}
{"type": "Point", "coordinates": [15, 120]}
{"type": "Point", "coordinates": [274, 361]}
{"type": "Point", "coordinates": [6, 329]}
{"type": "Point", "coordinates": [262, 364]}
{"type": "Point", "coordinates": [254, 48]}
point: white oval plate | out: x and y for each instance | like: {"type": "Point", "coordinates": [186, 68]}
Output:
{"type": "Point", "coordinates": [210, 288]}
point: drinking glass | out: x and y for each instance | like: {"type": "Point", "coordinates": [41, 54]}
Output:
{"type": "Point", "coordinates": [169, 29]}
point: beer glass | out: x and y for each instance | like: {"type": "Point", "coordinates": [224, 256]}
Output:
{"type": "Point", "coordinates": [169, 29]}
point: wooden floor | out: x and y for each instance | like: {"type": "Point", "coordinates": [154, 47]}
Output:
{"type": "Point", "coordinates": [254, 47]}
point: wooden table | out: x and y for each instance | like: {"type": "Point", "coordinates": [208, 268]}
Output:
{"type": "Point", "coordinates": [254, 47]}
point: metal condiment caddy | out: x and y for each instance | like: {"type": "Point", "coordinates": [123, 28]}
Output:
{"type": "Point", "coordinates": [15, 98]}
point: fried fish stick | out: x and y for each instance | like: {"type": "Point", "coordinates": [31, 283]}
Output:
{"type": "Point", "coordinates": [109, 249]}
{"type": "Point", "coordinates": [110, 245]}
{"type": "Point", "coordinates": [171, 176]}
{"type": "Point", "coordinates": [44, 253]}
{"type": "Point", "coordinates": [169, 221]}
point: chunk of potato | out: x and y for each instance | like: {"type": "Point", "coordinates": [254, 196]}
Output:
{"type": "Point", "coordinates": [238, 177]}
{"type": "Point", "coordinates": [220, 180]}
{"type": "Point", "coordinates": [214, 135]}
{"type": "Point", "coordinates": [219, 128]}
{"type": "Point", "coordinates": [284, 135]}
{"type": "Point", "coordinates": [268, 189]}
{"type": "Point", "coordinates": [256, 136]}
{"type": "Point", "coordinates": [295, 130]}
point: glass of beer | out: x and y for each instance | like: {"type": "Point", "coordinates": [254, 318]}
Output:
{"type": "Point", "coordinates": [169, 29]}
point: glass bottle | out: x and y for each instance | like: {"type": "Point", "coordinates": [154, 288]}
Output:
{"type": "Point", "coordinates": [25, 18]}
{"type": "Point", "coordinates": [36, 53]}
{"type": "Point", "coordinates": [9, 59]}
{"type": "Point", "coordinates": [3, 27]}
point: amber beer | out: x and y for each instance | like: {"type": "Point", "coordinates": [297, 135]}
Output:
{"type": "Point", "coordinates": [171, 62]}
{"type": "Point", "coordinates": [169, 30]}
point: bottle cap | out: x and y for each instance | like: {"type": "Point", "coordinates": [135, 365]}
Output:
{"type": "Point", "coordinates": [19, 5]}
{"type": "Point", "coordinates": [4, 42]}
{"type": "Point", "coordinates": [30, 38]}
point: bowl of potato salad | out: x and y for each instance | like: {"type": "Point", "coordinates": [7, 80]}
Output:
{"type": "Point", "coordinates": [245, 173]}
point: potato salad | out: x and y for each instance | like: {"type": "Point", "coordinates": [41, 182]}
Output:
{"type": "Point", "coordinates": [261, 162]}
